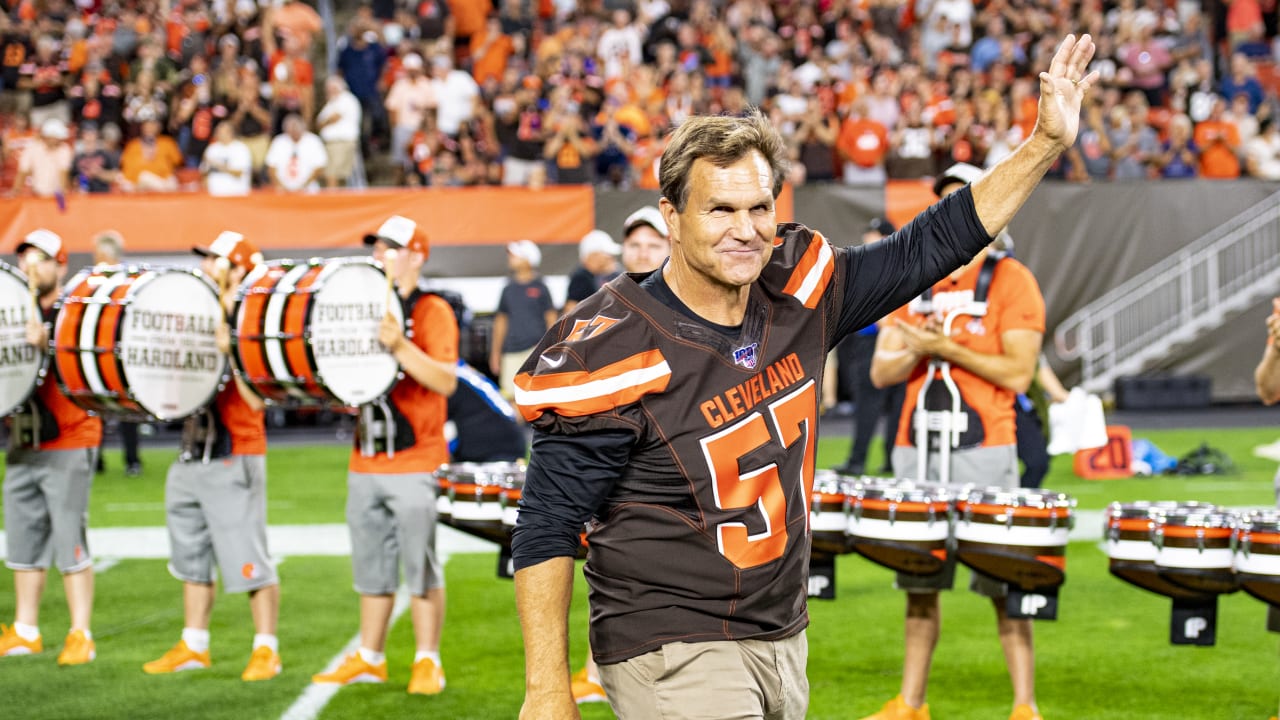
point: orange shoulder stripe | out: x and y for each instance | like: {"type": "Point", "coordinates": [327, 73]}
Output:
{"type": "Point", "coordinates": [812, 273]}
{"type": "Point", "coordinates": [581, 392]}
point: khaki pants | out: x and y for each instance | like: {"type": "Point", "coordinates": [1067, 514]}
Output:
{"type": "Point", "coordinates": [724, 680]}
{"type": "Point", "coordinates": [507, 370]}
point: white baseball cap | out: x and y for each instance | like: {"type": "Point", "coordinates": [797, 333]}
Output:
{"type": "Point", "coordinates": [527, 250]}
{"type": "Point", "coordinates": [46, 241]}
{"type": "Point", "coordinates": [412, 61]}
{"type": "Point", "coordinates": [55, 129]}
{"type": "Point", "coordinates": [597, 241]}
{"type": "Point", "coordinates": [962, 173]}
{"type": "Point", "coordinates": [647, 215]}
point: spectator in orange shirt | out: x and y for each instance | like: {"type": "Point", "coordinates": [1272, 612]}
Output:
{"type": "Point", "coordinates": [1218, 139]}
{"type": "Point", "coordinates": [13, 142]}
{"type": "Point", "coordinates": [150, 161]}
{"type": "Point", "coordinates": [294, 21]}
{"type": "Point", "coordinates": [490, 50]}
{"type": "Point", "coordinates": [468, 20]}
{"type": "Point", "coordinates": [862, 145]}
{"type": "Point", "coordinates": [292, 82]}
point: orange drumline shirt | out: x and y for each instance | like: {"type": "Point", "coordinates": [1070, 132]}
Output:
{"type": "Point", "coordinates": [77, 429]}
{"type": "Point", "coordinates": [435, 331]}
{"type": "Point", "coordinates": [1014, 303]}
{"type": "Point", "coordinates": [247, 427]}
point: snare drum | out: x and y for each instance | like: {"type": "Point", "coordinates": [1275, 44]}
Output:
{"type": "Point", "coordinates": [1257, 558]}
{"type": "Point", "coordinates": [1015, 536]}
{"type": "Point", "coordinates": [829, 512]}
{"type": "Point", "coordinates": [307, 333]}
{"type": "Point", "coordinates": [21, 364]}
{"type": "Point", "coordinates": [1193, 548]}
{"type": "Point", "coordinates": [902, 526]}
{"type": "Point", "coordinates": [139, 342]}
{"type": "Point", "coordinates": [1131, 547]}
{"type": "Point", "coordinates": [475, 496]}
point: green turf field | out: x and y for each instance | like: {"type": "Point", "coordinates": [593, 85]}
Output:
{"type": "Point", "coordinates": [1107, 657]}
{"type": "Point", "coordinates": [308, 484]}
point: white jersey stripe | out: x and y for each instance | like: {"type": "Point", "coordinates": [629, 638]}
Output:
{"type": "Point", "coordinates": [593, 389]}
{"type": "Point", "coordinates": [814, 276]}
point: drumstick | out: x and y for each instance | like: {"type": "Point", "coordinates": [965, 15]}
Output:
{"type": "Point", "coordinates": [222, 272]}
{"type": "Point", "coordinates": [388, 258]}
{"type": "Point", "coordinates": [33, 258]}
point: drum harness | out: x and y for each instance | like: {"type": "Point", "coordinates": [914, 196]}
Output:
{"type": "Point", "coordinates": [34, 424]}
{"type": "Point", "coordinates": [952, 422]}
{"type": "Point", "coordinates": [374, 434]}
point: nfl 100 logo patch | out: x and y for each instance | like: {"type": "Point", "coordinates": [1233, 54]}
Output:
{"type": "Point", "coordinates": [746, 356]}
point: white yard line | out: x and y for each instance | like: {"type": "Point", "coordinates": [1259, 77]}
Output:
{"type": "Point", "coordinates": [329, 540]}
{"type": "Point", "coordinates": [315, 697]}
{"type": "Point", "coordinates": [103, 564]}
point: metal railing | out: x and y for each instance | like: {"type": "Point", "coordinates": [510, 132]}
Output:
{"type": "Point", "coordinates": [1195, 290]}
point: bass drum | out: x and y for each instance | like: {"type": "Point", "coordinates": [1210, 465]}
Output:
{"type": "Point", "coordinates": [307, 333]}
{"type": "Point", "coordinates": [138, 342]}
{"type": "Point", "coordinates": [21, 364]}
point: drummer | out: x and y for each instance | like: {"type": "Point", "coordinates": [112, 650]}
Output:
{"type": "Point", "coordinates": [992, 359]}
{"type": "Point", "coordinates": [216, 500]}
{"type": "Point", "coordinates": [48, 473]}
{"type": "Point", "coordinates": [1267, 381]}
{"type": "Point", "coordinates": [391, 499]}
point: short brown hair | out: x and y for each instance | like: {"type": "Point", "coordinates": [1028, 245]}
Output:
{"type": "Point", "coordinates": [722, 140]}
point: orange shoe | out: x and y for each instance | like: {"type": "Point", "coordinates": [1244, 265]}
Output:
{"type": "Point", "coordinates": [898, 709]}
{"type": "Point", "coordinates": [586, 690]}
{"type": "Point", "coordinates": [178, 658]}
{"type": "Point", "coordinates": [78, 649]}
{"type": "Point", "coordinates": [353, 670]}
{"type": "Point", "coordinates": [1025, 712]}
{"type": "Point", "coordinates": [264, 664]}
{"type": "Point", "coordinates": [427, 679]}
{"type": "Point", "coordinates": [11, 643]}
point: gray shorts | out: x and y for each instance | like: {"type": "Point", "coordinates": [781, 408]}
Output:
{"type": "Point", "coordinates": [218, 513]}
{"type": "Point", "coordinates": [46, 509]}
{"type": "Point", "coordinates": [392, 519]}
{"type": "Point", "coordinates": [982, 466]}
{"type": "Point", "coordinates": [719, 679]}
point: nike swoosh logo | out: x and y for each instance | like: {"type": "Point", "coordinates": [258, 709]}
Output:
{"type": "Point", "coordinates": [553, 363]}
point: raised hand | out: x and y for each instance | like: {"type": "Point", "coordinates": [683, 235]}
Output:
{"type": "Point", "coordinates": [1063, 88]}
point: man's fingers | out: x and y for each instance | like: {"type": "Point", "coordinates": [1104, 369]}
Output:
{"type": "Point", "coordinates": [1058, 66]}
{"type": "Point", "coordinates": [1081, 54]}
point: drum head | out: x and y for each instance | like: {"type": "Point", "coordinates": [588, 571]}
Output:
{"type": "Point", "coordinates": [1145, 576]}
{"type": "Point", "coordinates": [167, 347]}
{"type": "Point", "coordinates": [1011, 567]}
{"type": "Point", "coordinates": [905, 557]}
{"type": "Point", "coordinates": [20, 363]}
{"type": "Point", "coordinates": [1264, 587]}
{"type": "Point", "coordinates": [347, 310]}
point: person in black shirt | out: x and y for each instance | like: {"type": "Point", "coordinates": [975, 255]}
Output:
{"type": "Point", "coordinates": [94, 168]}
{"type": "Point", "coordinates": [679, 414]}
{"type": "Point", "coordinates": [598, 255]}
{"type": "Point", "coordinates": [525, 311]}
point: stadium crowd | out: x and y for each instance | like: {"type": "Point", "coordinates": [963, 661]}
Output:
{"type": "Point", "coordinates": [161, 95]}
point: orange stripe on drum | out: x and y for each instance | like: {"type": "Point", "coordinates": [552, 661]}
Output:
{"type": "Point", "coordinates": [1189, 531]}
{"type": "Point", "coordinates": [1058, 561]}
{"type": "Point", "coordinates": [1016, 511]}
{"type": "Point", "coordinates": [869, 504]}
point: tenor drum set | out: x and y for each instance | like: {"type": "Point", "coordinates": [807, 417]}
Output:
{"type": "Point", "coordinates": [1193, 552]}
{"type": "Point", "coordinates": [1017, 537]}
